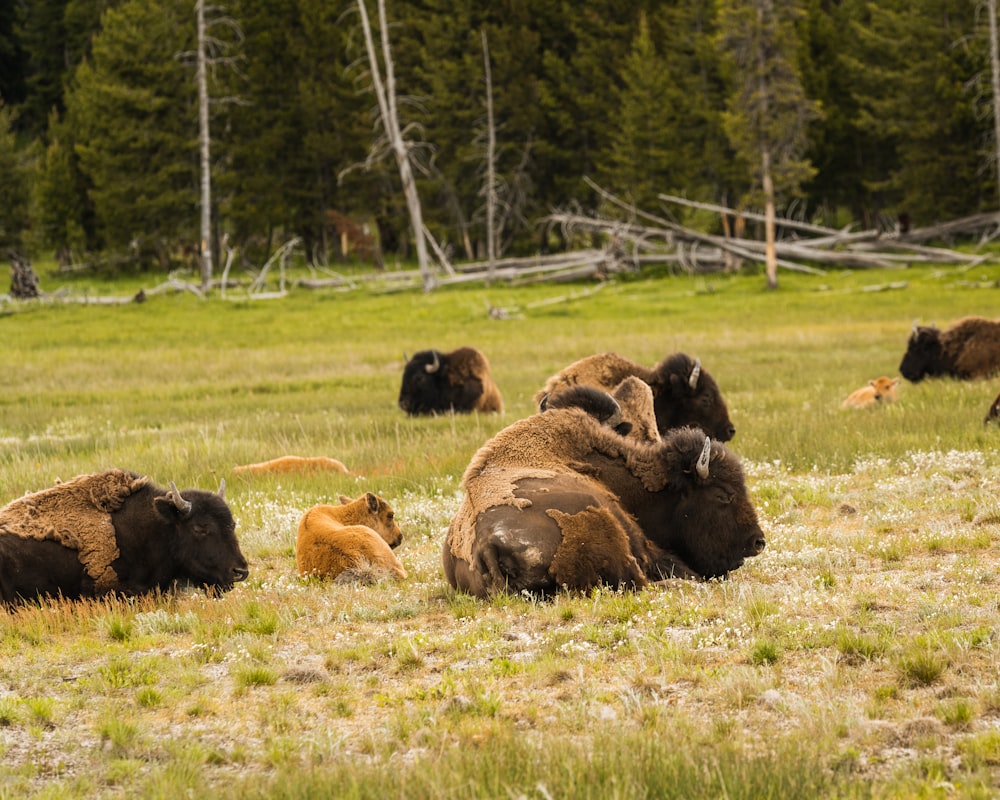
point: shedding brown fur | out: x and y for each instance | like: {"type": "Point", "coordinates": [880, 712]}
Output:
{"type": "Point", "coordinates": [77, 514]}
{"type": "Point", "coordinates": [292, 464]}
{"type": "Point", "coordinates": [343, 540]}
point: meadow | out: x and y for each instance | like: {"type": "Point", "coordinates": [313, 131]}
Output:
{"type": "Point", "coordinates": [857, 657]}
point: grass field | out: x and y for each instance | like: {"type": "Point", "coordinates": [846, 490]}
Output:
{"type": "Point", "coordinates": [859, 656]}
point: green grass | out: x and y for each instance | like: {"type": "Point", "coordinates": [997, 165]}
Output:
{"type": "Point", "coordinates": [856, 657]}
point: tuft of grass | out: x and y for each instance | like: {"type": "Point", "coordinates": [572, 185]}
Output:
{"type": "Point", "coordinates": [920, 665]}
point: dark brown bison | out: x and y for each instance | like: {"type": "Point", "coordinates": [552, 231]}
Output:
{"type": "Point", "coordinates": [968, 349]}
{"type": "Point", "coordinates": [684, 394]}
{"type": "Point", "coordinates": [994, 412]}
{"type": "Point", "coordinates": [116, 532]}
{"type": "Point", "coordinates": [560, 501]}
{"type": "Point", "coordinates": [438, 383]}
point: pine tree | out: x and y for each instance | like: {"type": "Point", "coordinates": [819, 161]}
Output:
{"type": "Point", "coordinates": [133, 111]}
{"type": "Point", "coordinates": [14, 197]}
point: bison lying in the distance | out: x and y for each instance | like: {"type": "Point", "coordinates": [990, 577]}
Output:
{"type": "Point", "coordinates": [116, 532]}
{"type": "Point", "coordinates": [439, 383]}
{"type": "Point", "coordinates": [968, 349]}
{"type": "Point", "coordinates": [560, 501]}
{"type": "Point", "coordinates": [684, 394]}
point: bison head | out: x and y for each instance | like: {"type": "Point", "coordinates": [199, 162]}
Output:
{"type": "Point", "coordinates": [923, 354]}
{"type": "Point", "coordinates": [207, 551]}
{"type": "Point", "coordinates": [686, 395]}
{"type": "Point", "coordinates": [596, 402]}
{"type": "Point", "coordinates": [710, 522]}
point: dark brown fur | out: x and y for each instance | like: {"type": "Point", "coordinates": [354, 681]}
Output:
{"type": "Point", "coordinates": [441, 383]}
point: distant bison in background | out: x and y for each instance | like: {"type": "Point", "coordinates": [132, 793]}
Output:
{"type": "Point", "coordinates": [683, 391]}
{"type": "Point", "coordinates": [994, 412]}
{"type": "Point", "coordinates": [116, 532]}
{"type": "Point", "coordinates": [968, 349]}
{"type": "Point", "coordinates": [559, 501]}
{"type": "Point", "coordinates": [438, 383]}
{"type": "Point", "coordinates": [881, 391]}
{"type": "Point", "coordinates": [346, 540]}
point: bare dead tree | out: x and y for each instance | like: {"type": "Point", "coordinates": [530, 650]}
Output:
{"type": "Point", "coordinates": [995, 69]}
{"type": "Point", "coordinates": [491, 149]}
{"type": "Point", "coordinates": [385, 94]}
{"type": "Point", "coordinates": [210, 51]}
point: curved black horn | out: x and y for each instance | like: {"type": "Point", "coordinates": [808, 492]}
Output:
{"type": "Point", "coordinates": [184, 506]}
{"type": "Point", "coordinates": [436, 365]}
{"type": "Point", "coordinates": [703, 459]}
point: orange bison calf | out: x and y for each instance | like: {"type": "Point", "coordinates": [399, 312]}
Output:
{"type": "Point", "coordinates": [880, 391]}
{"type": "Point", "coordinates": [344, 540]}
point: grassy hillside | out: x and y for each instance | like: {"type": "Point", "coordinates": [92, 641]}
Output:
{"type": "Point", "coordinates": [856, 657]}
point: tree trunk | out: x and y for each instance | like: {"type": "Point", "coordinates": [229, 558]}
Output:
{"type": "Point", "coordinates": [385, 94]}
{"type": "Point", "coordinates": [995, 66]}
{"type": "Point", "coordinates": [770, 254]}
{"type": "Point", "coordinates": [204, 142]}
{"type": "Point", "coordinates": [491, 147]}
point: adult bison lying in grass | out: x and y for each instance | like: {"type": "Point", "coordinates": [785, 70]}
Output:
{"type": "Point", "coordinates": [439, 383]}
{"type": "Point", "coordinates": [561, 501]}
{"type": "Point", "coordinates": [116, 532]}
{"type": "Point", "coordinates": [684, 394]}
{"type": "Point", "coordinates": [968, 349]}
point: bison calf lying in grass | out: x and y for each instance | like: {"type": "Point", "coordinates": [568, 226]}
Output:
{"type": "Point", "coordinates": [438, 383]}
{"type": "Point", "coordinates": [880, 391]}
{"type": "Point", "coordinates": [116, 532]}
{"type": "Point", "coordinates": [684, 394]}
{"type": "Point", "coordinates": [346, 541]}
{"type": "Point", "coordinates": [968, 349]}
{"type": "Point", "coordinates": [284, 465]}
{"type": "Point", "coordinates": [560, 501]}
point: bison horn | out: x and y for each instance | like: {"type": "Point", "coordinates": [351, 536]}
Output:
{"type": "Point", "coordinates": [695, 374]}
{"type": "Point", "coordinates": [184, 506]}
{"type": "Point", "coordinates": [706, 454]}
{"type": "Point", "coordinates": [222, 488]}
{"type": "Point", "coordinates": [436, 365]}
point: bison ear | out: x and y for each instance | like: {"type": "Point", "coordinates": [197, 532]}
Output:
{"type": "Point", "coordinates": [344, 499]}
{"type": "Point", "coordinates": [372, 502]}
{"type": "Point", "coordinates": [543, 403]}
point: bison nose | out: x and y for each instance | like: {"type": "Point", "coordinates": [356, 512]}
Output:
{"type": "Point", "coordinates": [731, 432]}
{"type": "Point", "coordinates": [757, 547]}
{"type": "Point", "coordinates": [240, 573]}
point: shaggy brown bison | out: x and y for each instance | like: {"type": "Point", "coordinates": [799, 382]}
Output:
{"type": "Point", "coordinates": [116, 531]}
{"type": "Point", "coordinates": [628, 409]}
{"type": "Point", "coordinates": [560, 501]}
{"type": "Point", "coordinates": [438, 383]}
{"type": "Point", "coordinates": [344, 540]}
{"type": "Point", "coordinates": [968, 349]}
{"type": "Point", "coordinates": [684, 394]}
{"type": "Point", "coordinates": [881, 391]}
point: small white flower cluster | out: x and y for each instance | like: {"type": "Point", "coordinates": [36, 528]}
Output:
{"type": "Point", "coordinates": [161, 621]}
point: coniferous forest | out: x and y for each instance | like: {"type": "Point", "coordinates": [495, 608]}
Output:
{"type": "Point", "coordinates": [866, 110]}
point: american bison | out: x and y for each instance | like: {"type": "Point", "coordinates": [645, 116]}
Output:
{"type": "Point", "coordinates": [439, 383]}
{"type": "Point", "coordinates": [968, 349]}
{"type": "Point", "coordinates": [994, 412]}
{"type": "Point", "coordinates": [684, 394]}
{"type": "Point", "coordinates": [345, 540]}
{"type": "Point", "coordinates": [560, 501]}
{"type": "Point", "coordinates": [628, 409]}
{"type": "Point", "coordinates": [116, 532]}
{"type": "Point", "coordinates": [881, 391]}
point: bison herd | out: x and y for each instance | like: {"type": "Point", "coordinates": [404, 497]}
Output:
{"type": "Point", "coordinates": [621, 478]}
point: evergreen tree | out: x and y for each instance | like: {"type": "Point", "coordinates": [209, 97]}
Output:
{"type": "Point", "coordinates": [64, 221]}
{"type": "Point", "coordinates": [12, 58]}
{"type": "Point", "coordinates": [133, 111]}
{"type": "Point", "coordinates": [14, 187]}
